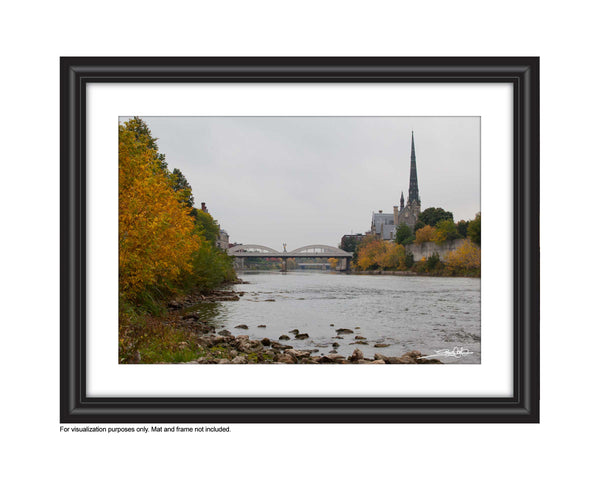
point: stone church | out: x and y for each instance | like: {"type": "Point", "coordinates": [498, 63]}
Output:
{"type": "Point", "coordinates": [383, 225]}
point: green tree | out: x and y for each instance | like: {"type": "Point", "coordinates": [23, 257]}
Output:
{"type": "Point", "coordinates": [181, 185]}
{"type": "Point", "coordinates": [404, 235]}
{"type": "Point", "coordinates": [474, 230]}
{"type": "Point", "coordinates": [207, 225]}
{"type": "Point", "coordinates": [409, 260]}
{"type": "Point", "coordinates": [432, 216]}
{"type": "Point", "coordinates": [350, 243]}
{"type": "Point", "coordinates": [445, 231]}
{"type": "Point", "coordinates": [462, 227]}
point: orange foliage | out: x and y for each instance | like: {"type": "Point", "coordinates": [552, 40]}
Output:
{"type": "Point", "coordinates": [333, 262]}
{"type": "Point", "coordinates": [156, 232]}
{"type": "Point", "coordinates": [380, 254]}
{"type": "Point", "coordinates": [425, 234]}
{"type": "Point", "coordinates": [468, 256]}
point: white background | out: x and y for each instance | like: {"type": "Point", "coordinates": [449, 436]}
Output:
{"type": "Point", "coordinates": [492, 102]}
{"type": "Point", "coordinates": [35, 34]}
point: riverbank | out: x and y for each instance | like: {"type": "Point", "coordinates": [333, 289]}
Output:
{"type": "Point", "coordinates": [409, 273]}
{"type": "Point", "coordinates": [183, 337]}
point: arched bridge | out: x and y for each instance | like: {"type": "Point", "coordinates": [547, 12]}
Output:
{"type": "Point", "coordinates": [308, 251]}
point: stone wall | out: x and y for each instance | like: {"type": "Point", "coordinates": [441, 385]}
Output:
{"type": "Point", "coordinates": [427, 249]}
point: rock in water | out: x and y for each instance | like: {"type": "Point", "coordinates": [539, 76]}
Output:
{"type": "Point", "coordinates": [356, 356]}
{"type": "Point", "coordinates": [301, 336]}
{"type": "Point", "coordinates": [343, 331]}
{"type": "Point", "coordinates": [242, 326]}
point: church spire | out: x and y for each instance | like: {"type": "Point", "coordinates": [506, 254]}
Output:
{"type": "Point", "coordinates": [413, 191]}
{"type": "Point", "coordinates": [401, 200]}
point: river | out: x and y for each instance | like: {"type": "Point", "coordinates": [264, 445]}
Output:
{"type": "Point", "coordinates": [406, 313]}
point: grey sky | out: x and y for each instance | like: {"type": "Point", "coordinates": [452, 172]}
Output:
{"type": "Point", "coordinates": [306, 180]}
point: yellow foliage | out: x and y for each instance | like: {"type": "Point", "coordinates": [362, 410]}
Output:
{"type": "Point", "coordinates": [333, 262]}
{"type": "Point", "coordinates": [425, 234]}
{"type": "Point", "coordinates": [381, 254]}
{"type": "Point", "coordinates": [468, 256]}
{"type": "Point", "coordinates": [156, 232]}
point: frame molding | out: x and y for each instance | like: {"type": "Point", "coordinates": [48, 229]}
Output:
{"type": "Point", "coordinates": [521, 72]}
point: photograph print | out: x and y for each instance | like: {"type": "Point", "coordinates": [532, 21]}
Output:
{"type": "Point", "coordinates": [299, 240]}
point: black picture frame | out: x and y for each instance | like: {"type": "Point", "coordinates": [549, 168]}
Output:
{"type": "Point", "coordinates": [522, 72]}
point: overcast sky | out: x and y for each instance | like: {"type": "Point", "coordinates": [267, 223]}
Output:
{"type": "Point", "coordinates": [310, 180]}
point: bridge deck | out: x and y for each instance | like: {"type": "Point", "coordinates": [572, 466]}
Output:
{"type": "Point", "coordinates": [290, 255]}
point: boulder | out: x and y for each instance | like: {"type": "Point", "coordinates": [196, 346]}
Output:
{"type": "Point", "coordinates": [331, 358]}
{"type": "Point", "coordinates": [381, 345]}
{"type": "Point", "coordinates": [262, 326]}
{"type": "Point", "coordinates": [284, 358]}
{"type": "Point", "coordinates": [266, 342]}
{"type": "Point", "coordinates": [301, 336]}
{"type": "Point", "coordinates": [242, 326]}
{"type": "Point", "coordinates": [356, 356]}
{"type": "Point", "coordinates": [343, 331]}
{"type": "Point", "coordinates": [284, 337]}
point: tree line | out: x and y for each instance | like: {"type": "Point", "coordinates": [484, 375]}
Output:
{"type": "Point", "coordinates": [433, 225]}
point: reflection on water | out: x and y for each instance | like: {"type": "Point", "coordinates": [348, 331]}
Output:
{"type": "Point", "coordinates": [406, 313]}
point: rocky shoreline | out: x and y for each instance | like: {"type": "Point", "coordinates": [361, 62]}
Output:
{"type": "Point", "coordinates": [225, 348]}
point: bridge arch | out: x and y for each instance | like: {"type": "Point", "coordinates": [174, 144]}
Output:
{"type": "Point", "coordinates": [253, 248]}
{"type": "Point", "coordinates": [323, 249]}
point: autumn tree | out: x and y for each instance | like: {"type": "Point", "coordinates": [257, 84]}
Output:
{"type": "Point", "coordinates": [374, 254]}
{"type": "Point", "coordinates": [466, 257]}
{"type": "Point", "coordinates": [145, 139]}
{"type": "Point", "coordinates": [425, 234]}
{"type": "Point", "coordinates": [156, 232]}
{"type": "Point", "coordinates": [333, 263]}
{"type": "Point", "coordinates": [445, 231]}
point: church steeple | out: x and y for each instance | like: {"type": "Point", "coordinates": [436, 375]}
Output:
{"type": "Point", "coordinates": [401, 200]}
{"type": "Point", "coordinates": [413, 191]}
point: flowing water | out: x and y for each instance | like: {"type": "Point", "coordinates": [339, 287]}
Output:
{"type": "Point", "coordinates": [406, 313]}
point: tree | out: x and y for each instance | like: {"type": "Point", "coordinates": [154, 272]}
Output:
{"type": "Point", "coordinates": [207, 225]}
{"type": "Point", "coordinates": [432, 216]}
{"type": "Point", "coordinates": [462, 227]}
{"type": "Point", "coordinates": [467, 257]}
{"type": "Point", "coordinates": [425, 234]}
{"type": "Point", "coordinates": [144, 137]}
{"type": "Point", "coordinates": [349, 243]}
{"type": "Point", "coordinates": [156, 233]}
{"type": "Point", "coordinates": [404, 234]}
{"type": "Point", "coordinates": [333, 262]}
{"type": "Point", "coordinates": [182, 187]}
{"type": "Point", "coordinates": [445, 231]}
{"type": "Point", "coordinates": [374, 254]}
{"type": "Point", "coordinates": [474, 230]}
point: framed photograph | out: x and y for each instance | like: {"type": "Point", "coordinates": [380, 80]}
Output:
{"type": "Point", "coordinates": [286, 240]}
